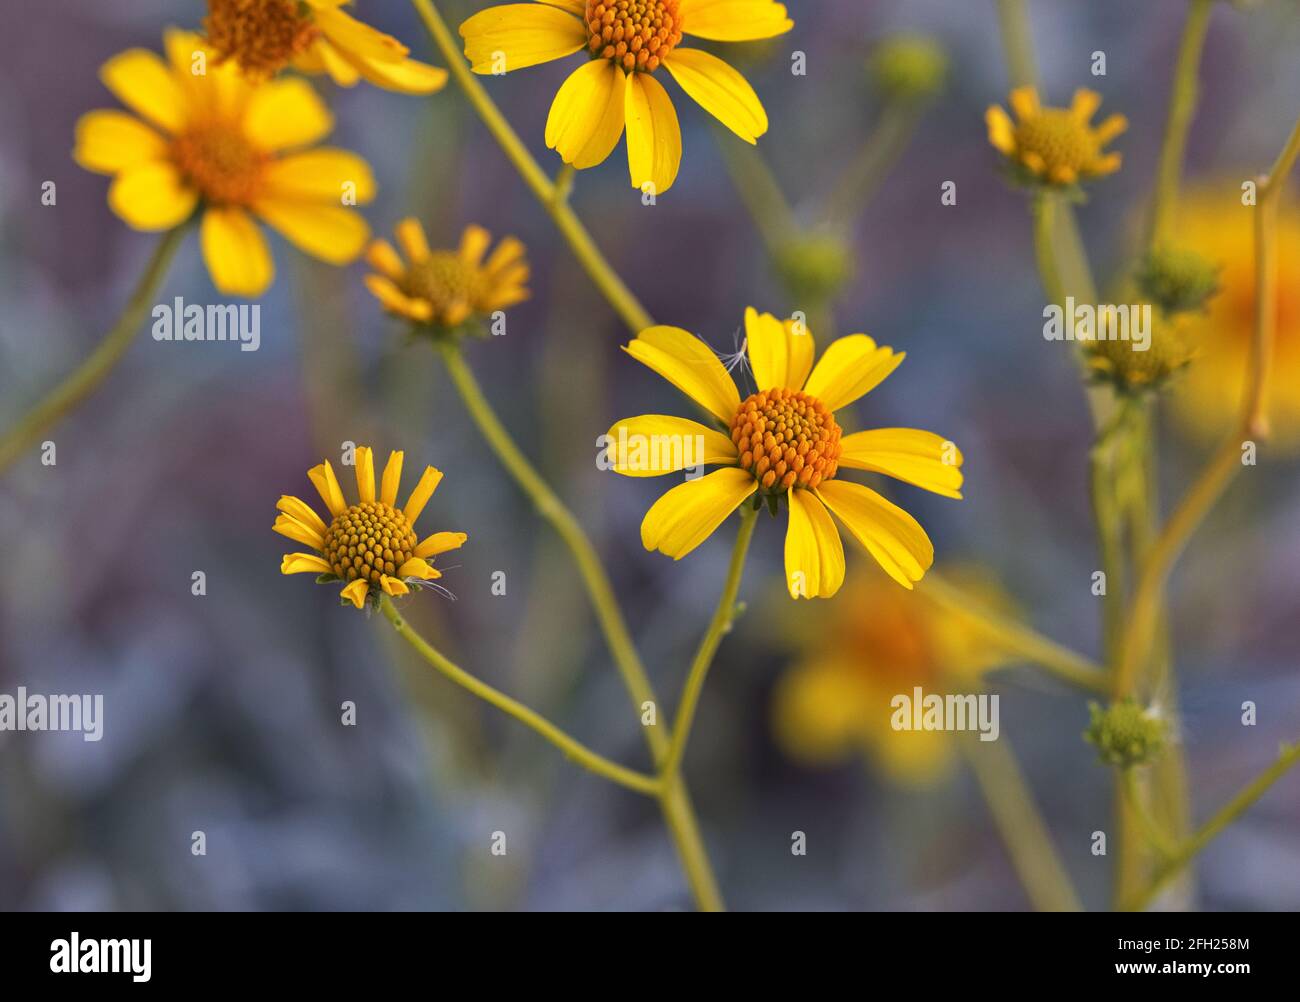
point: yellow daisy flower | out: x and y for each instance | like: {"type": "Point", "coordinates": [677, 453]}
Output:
{"type": "Point", "coordinates": [1055, 146]}
{"type": "Point", "coordinates": [370, 546]}
{"type": "Point", "coordinates": [627, 41]}
{"type": "Point", "coordinates": [314, 36]}
{"type": "Point", "coordinates": [879, 643]}
{"type": "Point", "coordinates": [215, 139]}
{"type": "Point", "coordinates": [444, 288]}
{"type": "Point", "coordinates": [782, 441]}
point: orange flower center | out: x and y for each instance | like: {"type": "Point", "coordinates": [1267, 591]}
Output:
{"type": "Point", "coordinates": [262, 36]}
{"type": "Point", "coordinates": [786, 438]}
{"type": "Point", "coordinates": [445, 281]}
{"type": "Point", "coordinates": [225, 167]}
{"type": "Point", "coordinates": [1057, 135]}
{"type": "Point", "coordinates": [369, 540]}
{"type": "Point", "coordinates": [635, 34]}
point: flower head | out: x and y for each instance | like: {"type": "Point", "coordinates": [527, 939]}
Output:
{"type": "Point", "coordinates": [370, 546]}
{"type": "Point", "coordinates": [627, 42]}
{"type": "Point", "coordinates": [1126, 733]}
{"type": "Point", "coordinates": [216, 140]}
{"type": "Point", "coordinates": [314, 36]}
{"type": "Point", "coordinates": [782, 444]}
{"type": "Point", "coordinates": [909, 67]}
{"type": "Point", "coordinates": [444, 288]}
{"type": "Point", "coordinates": [1057, 147]}
{"type": "Point", "coordinates": [1116, 360]}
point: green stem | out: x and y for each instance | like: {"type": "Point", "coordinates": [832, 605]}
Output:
{"type": "Point", "coordinates": [606, 279]}
{"type": "Point", "coordinates": [759, 190]}
{"type": "Point", "coordinates": [723, 616]}
{"type": "Point", "coordinates": [578, 752]}
{"type": "Point", "coordinates": [95, 369]}
{"type": "Point", "coordinates": [1128, 785]}
{"type": "Point", "coordinates": [1017, 41]}
{"type": "Point", "coordinates": [860, 181]}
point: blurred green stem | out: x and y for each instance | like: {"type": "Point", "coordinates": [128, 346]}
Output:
{"type": "Point", "coordinates": [862, 178]}
{"type": "Point", "coordinates": [758, 189]}
{"type": "Point", "coordinates": [1017, 42]}
{"type": "Point", "coordinates": [1129, 786]}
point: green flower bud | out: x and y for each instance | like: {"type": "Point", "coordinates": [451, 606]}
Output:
{"type": "Point", "coordinates": [909, 67]}
{"type": "Point", "coordinates": [1125, 733]}
{"type": "Point", "coordinates": [1131, 368]}
{"type": "Point", "coordinates": [814, 266]}
{"type": "Point", "coordinates": [1177, 280]}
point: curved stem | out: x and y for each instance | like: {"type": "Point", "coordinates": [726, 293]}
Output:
{"type": "Point", "coordinates": [576, 750]}
{"type": "Point", "coordinates": [862, 178]}
{"type": "Point", "coordinates": [552, 199]}
{"type": "Point", "coordinates": [1128, 785]}
{"type": "Point", "coordinates": [95, 369]}
{"type": "Point", "coordinates": [723, 616]}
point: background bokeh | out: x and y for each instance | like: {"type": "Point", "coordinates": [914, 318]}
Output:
{"type": "Point", "coordinates": [222, 711]}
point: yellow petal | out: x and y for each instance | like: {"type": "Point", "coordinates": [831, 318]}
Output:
{"type": "Point", "coordinates": [392, 479]}
{"type": "Point", "coordinates": [474, 243]}
{"type": "Point", "coordinates": [393, 586]}
{"type": "Point", "coordinates": [357, 38]}
{"type": "Point", "coordinates": [653, 444]}
{"type": "Point", "coordinates": [325, 174]}
{"type": "Point", "coordinates": [578, 7]}
{"type": "Point", "coordinates": [395, 300]}
{"type": "Point", "coordinates": [1085, 104]}
{"type": "Point", "coordinates": [720, 90]}
{"type": "Point", "coordinates": [1024, 102]}
{"type": "Point", "coordinates": [327, 485]}
{"type": "Point", "coordinates": [507, 252]}
{"type": "Point", "coordinates": [286, 525]}
{"type": "Point", "coordinates": [734, 20]}
{"type": "Point", "coordinates": [814, 555]}
{"type": "Point", "coordinates": [236, 253]}
{"type": "Point", "coordinates": [330, 232]}
{"type": "Point", "coordinates": [690, 365]}
{"type": "Point", "coordinates": [304, 563]}
{"type": "Point", "coordinates": [365, 463]}
{"type": "Point", "coordinates": [356, 592]}
{"type": "Point", "coordinates": [420, 496]}
{"type": "Point", "coordinates": [820, 710]}
{"type": "Point", "coordinates": [850, 367]}
{"type": "Point", "coordinates": [780, 354]}
{"type": "Point", "coordinates": [145, 84]}
{"type": "Point", "coordinates": [889, 534]}
{"type": "Point", "coordinates": [440, 542]}
{"type": "Point", "coordinates": [331, 61]}
{"type": "Point", "coordinates": [286, 113]}
{"type": "Point", "coordinates": [586, 117]}
{"type": "Point", "coordinates": [511, 36]}
{"type": "Point", "coordinates": [381, 256]}
{"type": "Point", "coordinates": [407, 76]}
{"type": "Point", "coordinates": [110, 141]}
{"type": "Point", "coordinates": [1002, 132]}
{"type": "Point", "coordinates": [654, 139]}
{"type": "Point", "coordinates": [417, 568]}
{"type": "Point", "coordinates": [152, 196]}
{"type": "Point", "coordinates": [410, 236]}
{"type": "Point", "coordinates": [1111, 128]}
{"type": "Point", "coordinates": [918, 457]}
{"type": "Point", "coordinates": [302, 511]}
{"type": "Point", "coordinates": [687, 515]}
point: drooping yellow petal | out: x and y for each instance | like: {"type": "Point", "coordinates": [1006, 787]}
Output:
{"type": "Point", "coordinates": [687, 515]}
{"type": "Point", "coordinates": [653, 444]}
{"type": "Point", "coordinates": [654, 139]}
{"type": "Point", "coordinates": [408, 76]}
{"type": "Point", "coordinates": [1085, 104]}
{"type": "Point", "coordinates": [110, 141]}
{"type": "Point", "coordinates": [356, 592]}
{"type": "Point", "coordinates": [429, 481]}
{"type": "Point", "coordinates": [287, 525]}
{"type": "Point", "coordinates": [850, 367]}
{"type": "Point", "coordinates": [780, 354]}
{"type": "Point", "coordinates": [152, 196]}
{"type": "Point", "coordinates": [440, 542]}
{"type": "Point", "coordinates": [918, 457]}
{"type": "Point", "coordinates": [381, 256]}
{"type": "Point", "coordinates": [145, 84]}
{"type": "Point", "coordinates": [814, 554]}
{"type": "Point", "coordinates": [720, 90]}
{"type": "Point", "coordinates": [393, 586]}
{"type": "Point", "coordinates": [586, 117]}
{"type": "Point", "coordinates": [235, 252]}
{"type": "Point", "coordinates": [890, 534]}
{"type": "Point", "coordinates": [410, 236]}
{"type": "Point", "coordinates": [394, 299]}
{"type": "Point", "coordinates": [302, 511]}
{"type": "Point", "coordinates": [1024, 102]}
{"type": "Point", "coordinates": [1002, 131]}
{"type": "Point", "coordinates": [417, 568]}
{"type": "Point", "coordinates": [325, 174]}
{"type": "Point", "coordinates": [734, 20]}
{"type": "Point", "coordinates": [511, 36]}
{"type": "Point", "coordinates": [304, 563]}
{"type": "Point", "coordinates": [392, 479]}
{"type": "Point", "coordinates": [356, 37]}
{"type": "Point", "coordinates": [690, 365]}
{"type": "Point", "coordinates": [365, 463]}
{"type": "Point", "coordinates": [330, 232]}
{"type": "Point", "coordinates": [285, 113]}
{"type": "Point", "coordinates": [324, 57]}
{"type": "Point", "coordinates": [322, 476]}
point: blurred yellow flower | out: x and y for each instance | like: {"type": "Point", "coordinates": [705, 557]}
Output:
{"type": "Point", "coordinates": [314, 36]}
{"type": "Point", "coordinates": [1055, 146]}
{"type": "Point", "coordinates": [444, 288]}
{"type": "Point", "coordinates": [216, 139]}
{"type": "Point", "coordinates": [370, 546]}
{"type": "Point", "coordinates": [1207, 399]}
{"type": "Point", "coordinates": [627, 41]}
{"type": "Point", "coordinates": [782, 441]}
{"type": "Point", "coordinates": [878, 642]}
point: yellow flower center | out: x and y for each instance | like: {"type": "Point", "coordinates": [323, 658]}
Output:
{"type": "Point", "coordinates": [1060, 139]}
{"type": "Point", "coordinates": [262, 36]}
{"type": "Point", "coordinates": [222, 164]}
{"type": "Point", "coordinates": [368, 540]}
{"type": "Point", "coordinates": [786, 438]}
{"type": "Point", "coordinates": [635, 34]}
{"type": "Point", "coordinates": [445, 281]}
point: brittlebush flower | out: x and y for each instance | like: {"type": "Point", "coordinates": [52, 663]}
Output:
{"type": "Point", "coordinates": [782, 442]}
{"type": "Point", "coordinates": [1207, 400]}
{"type": "Point", "coordinates": [627, 41]}
{"type": "Point", "coordinates": [445, 288]}
{"type": "Point", "coordinates": [874, 644]}
{"type": "Point", "coordinates": [314, 36]}
{"type": "Point", "coordinates": [233, 147]}
{"type": "Point", "coordinates": [1058, 147]}
{"type": "Point", "coordinates": [370, 546]}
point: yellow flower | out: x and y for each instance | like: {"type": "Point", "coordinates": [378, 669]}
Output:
{"type": "Point", "coordinates": [370, 546]}
{"type": "Point", "coordinates": [627, 41]}
{"type": "Point", "coordinates": [1055, 146]}
{"type": "Point", "coordinates": [879, 643]}
{"type": "Point", "coordinates": [217, 139]}
{"type": "Point", "coordinates": [314, 36]}
{"type": "Point", "coordinates": [782, 441]}
{"type": "Point", "coordinates": [1207, 400]}
{"type": "Point", "coordinates": [444, 288]}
